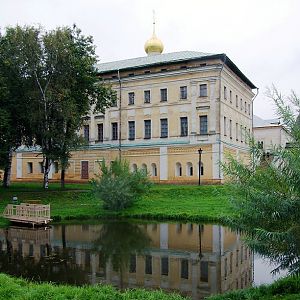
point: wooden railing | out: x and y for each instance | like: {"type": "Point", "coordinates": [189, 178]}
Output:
{"type": "Point", "coordinates": [31, 213]}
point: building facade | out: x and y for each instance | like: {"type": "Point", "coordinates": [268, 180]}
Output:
{"type": "Point", "coordinates": [270, 133]}
{"type": "Point", "coordinates": [169, 106]}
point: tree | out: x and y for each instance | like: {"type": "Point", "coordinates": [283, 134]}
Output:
{"type": "Point", "coordinates": [118, 187]}
{"type": "Point", "coordinates": [267, 201]}
{"type": "Point", "coordinates": [61, 86]}
{"type": "Point", "coordinates": [14, 112]}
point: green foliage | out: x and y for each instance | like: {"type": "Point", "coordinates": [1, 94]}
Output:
{"type": "Point", "coordinates": [286, 288]}
{"type": "Point", "coordinates": [118, 187]}
{"type": "Point", "coordinates": [267, 193]}
{"type": "Point", "coordinates": [48, 83]}
{"type": "Point", "coordinates": [19, 289]}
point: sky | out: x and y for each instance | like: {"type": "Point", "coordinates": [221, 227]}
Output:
{"type": "Point", "coordinates": [260, 36]}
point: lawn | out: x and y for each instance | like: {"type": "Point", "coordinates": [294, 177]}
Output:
{"type": "Point", "coordinates": [173, 202]}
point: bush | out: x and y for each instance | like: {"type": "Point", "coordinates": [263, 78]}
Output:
{"type": "Point", "coordinates": [118, 187]}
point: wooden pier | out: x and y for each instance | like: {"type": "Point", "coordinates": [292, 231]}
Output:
{"type": "Point", "coordinates": [35, 214]}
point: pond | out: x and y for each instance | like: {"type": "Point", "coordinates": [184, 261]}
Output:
{"type": "Point", "coordinates": [195, 260]}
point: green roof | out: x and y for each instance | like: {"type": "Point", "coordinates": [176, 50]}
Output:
{"type": "Point", "coordinates": [167, 58]}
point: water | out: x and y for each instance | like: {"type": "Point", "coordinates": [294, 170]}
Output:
{"type": "Point", "coordinates": [194, 260]}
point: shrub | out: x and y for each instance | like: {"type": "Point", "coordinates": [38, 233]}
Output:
{"type": "Point", "coordinates": [118, 187]}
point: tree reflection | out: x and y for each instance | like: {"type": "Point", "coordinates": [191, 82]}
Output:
{"type": "Point", "coordinates": [118, 241]}
{"type": "Point", "coordinates": [282, 249]}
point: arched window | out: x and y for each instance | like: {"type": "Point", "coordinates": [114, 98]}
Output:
{"type": "Point", "coordinates": [153, 170]}
{"type": "Point", "coordinates": [189, 169]}
{"type": "Point", "coordinates": [134, 168]}
{"type": "Point", "coordinates": [178, 170]}
{"type": "Point", "coordinates": [144, 168]}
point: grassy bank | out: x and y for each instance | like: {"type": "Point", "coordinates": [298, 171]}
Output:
{"type": "Point", "coordinates": [17, 289]}
{"type": "Point", "coordinates": [283, 289]}
{"type": "Point", "coordinates": [172, 202]}
{"type": "Point", "coordinates": [14, 288]}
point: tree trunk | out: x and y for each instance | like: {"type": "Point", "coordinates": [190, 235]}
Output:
{"type": "Point", "coordinates": [7, 170]}
{"type": "Point", "coordinates": [46, 173]}
{"type": "Point", "coordinates": [62, 178]}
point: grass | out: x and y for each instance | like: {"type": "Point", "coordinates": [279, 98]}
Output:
{"type": "Point", "coordinates": [283, 289]}
{"type": "Point", "coordinates": [17, 289]}
{"type": "Point", "coordinates": [162, 202]}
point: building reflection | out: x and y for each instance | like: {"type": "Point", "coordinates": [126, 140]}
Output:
{"type": "Point", "coordinates": [195, 260]}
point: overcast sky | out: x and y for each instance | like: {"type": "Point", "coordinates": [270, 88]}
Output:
{"type": "Point", "coordinates": [260, 36]}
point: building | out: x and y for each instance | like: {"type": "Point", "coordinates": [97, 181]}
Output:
{"type": "Point", "coordinates": [169, 106]}
{"type": "Point", "coordinates": [270, 133]}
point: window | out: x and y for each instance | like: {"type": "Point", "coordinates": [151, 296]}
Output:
{"type": "Point", "coordinates": [225, 126]}
{"type": "Point", "coordinates": [100, 132]}
{"type": "Point", "coordinates": [165, 266]}
{"type": "Point", "coordinates": [147, 129]}
{"type": "Point", "coordinates": [230, 96]}
{"type": "Point", "coordinates": [55, 167]}
{"type": "Point", "coordinates": [245, 134]}
{"type": "Point", "coordinates": [225, 267]}
{"type": "Point", "coordinates": [230, 262]}
{"type": "Point", "coordinates": [131, 74]}
{"type": "Point", "coordinates": [29, 167]}
{"type": "Point", "coordinates": [114, 131]}
{"type": "Point", "coordinates": [225, 92]}
{"type": "Point", "coordinates": [154, 170]}
{"type": "Point", "coordinates": [260, 144]}
{"type": "Point", "coordinates": [204, 271]}
{"type": "Point", "coordinates": [203, 90]}
{"type": "Point", "coordinates": [134, 168]}
{"type": "Point", "coordinates": [144, 168]}
{"type": "Point", "coordinates": [245, 107]}
{"type": "Point", "coordinates": [249, 111]}
{"type": "Point", "coordinates": [183, 126]}
{"type": "Point", "coordinates": [147, 96]}
{"type": "Point", "coordinates": [86, 132]}
{"type": "Point", "coordinates": [41, 167]}
{"type": "Point", "coordinates": [131, 98]}
{"type": "Point", "coordinates": [241, 104]}
{"type": "Point", "coordinates": [241, 132]}
{"type": "Point", "coordinates": [131, 130]}
{"type": "Point", "coordinates": [203, 124]}
{"type": "Point", "coordinates": [178, 228]}
{"type": "Point", "coordinates": [163, 95]}
{"type": "Point", "coordinates": [132, 264]}
{"type": "Point", "coordinates": [184, 269]}
{"type": "Point", "coordinates": [148, 264]}
{"type": "Point", "coordinates": [189, 169]}
{"type": "Point", "coordinates": [230, 128]}
{"type": "Point", "coordinates": [183, 92]}
{"type": "Point", "coordinates": [178, 170]}
{"type": "Point", "coordinates": [237, 131]}
{"type": "Point", "coordinates": [163, 128]}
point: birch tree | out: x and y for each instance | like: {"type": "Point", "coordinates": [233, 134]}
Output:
{"type": "Point", "coordinates": [61, 86]}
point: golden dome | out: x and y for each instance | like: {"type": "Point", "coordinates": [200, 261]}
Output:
{"type": "Point", "coordinates": [154, 45]}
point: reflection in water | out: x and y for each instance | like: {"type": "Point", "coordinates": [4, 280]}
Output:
{"type": "Point", "coordinates": [195, 260]}
{"type": "Point", "coordinates": [281, 249]}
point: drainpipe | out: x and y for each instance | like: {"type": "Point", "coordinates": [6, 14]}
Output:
{"type": "Point", "coordinates": [257, 92]}
{"type": "Point", "coordinates": [120, 115]}
{"type": "Point", "coordinates": [220, 92]}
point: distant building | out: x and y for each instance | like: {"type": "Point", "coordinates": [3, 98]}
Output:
{"type": "Point", "coordinates": [270, 133]}
{"type": "Point", "coordinates": [169, 106]}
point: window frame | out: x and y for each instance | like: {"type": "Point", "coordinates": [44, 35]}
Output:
{"type": "Point", "coordinates": [203, 92]}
